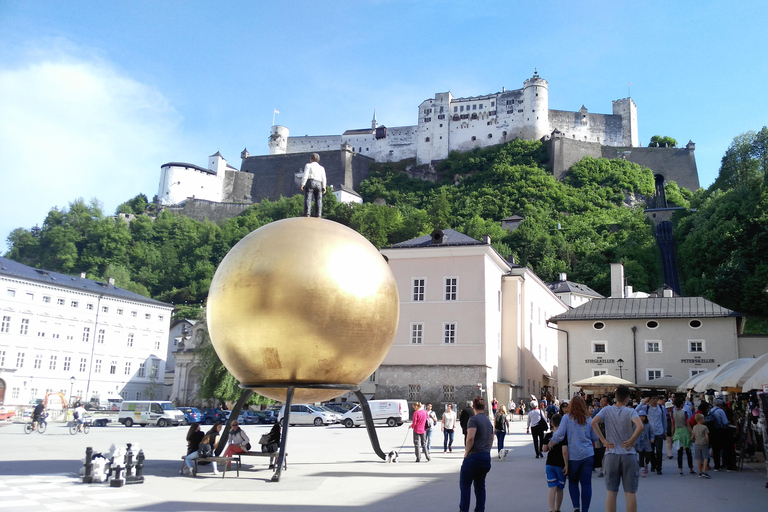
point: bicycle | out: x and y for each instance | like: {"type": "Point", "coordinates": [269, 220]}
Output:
{"type": "Point", "coordinates": [41, 426]}
{"type": "Point", "coordinates": [86, 426]}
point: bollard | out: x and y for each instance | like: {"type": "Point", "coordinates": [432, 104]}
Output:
{"type": "Point", "coordinates": [139, 478]}
{"type": "Point", "coordinates": [88, 475]}
{"type": "Point", "coordinates": [128, 463]}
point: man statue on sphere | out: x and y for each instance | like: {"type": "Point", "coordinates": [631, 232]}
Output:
{"type": "Point", "coordinates": [313, 184]}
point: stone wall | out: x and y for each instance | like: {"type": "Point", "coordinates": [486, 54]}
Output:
{"type": "Point", "coordinates": [674, 164]}
{"type": "Point", "coordinates": [280, 175]}
{"type": "Point", "coordinates": [200, 209]}
{"type": "Point", "coordinates": [394, 381]}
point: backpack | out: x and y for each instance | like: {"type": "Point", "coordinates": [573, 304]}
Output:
{"type": "Point", "coordinates": [499, 422]}
{"type": "Point", "coordinates": [76, 415]}
{"type": "Point", "coordinates": [709, 420]}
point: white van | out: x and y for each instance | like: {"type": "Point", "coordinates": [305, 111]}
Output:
{"type": "Point", "coordinates": [149, 412]}
{"type": "Point", "coordinates": [389, 412]}
{"type": "Point", "coordinates": [107, 403]}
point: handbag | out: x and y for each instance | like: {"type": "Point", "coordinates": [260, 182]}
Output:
{"type": "Point", "coordinates": [264, 438]}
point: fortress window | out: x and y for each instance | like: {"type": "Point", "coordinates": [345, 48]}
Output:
{"type": "Point", "coordinates": [426, 140]}
{"type": "Point", "coordinates": [441, 109]}
{"type": "Point", "coordinates": [493, 103]}
{"type": "Point", "coordinates": [537, 95]}
{"type": "Point", "coordinates": [521, 110]}
{"type": "Point", "coordinates": [474, 107]}
{"type": "Point", "coordinates": [462, 108]}
{"type": "Point", "coordinates": [481, 106]}
{"type": "Point", "coordinates": [474, 138]}
{"type": "Point", "coordinates": [490, 135]}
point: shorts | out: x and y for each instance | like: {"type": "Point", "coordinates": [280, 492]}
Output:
{"type": "Point", "coordinates": [621, 468]}
{"type": "Point", "coordinates": [701, 452]}
{"type": "Point", "coordinates": [555, 477]}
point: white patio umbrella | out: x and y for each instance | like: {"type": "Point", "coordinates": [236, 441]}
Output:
{"type": "Point", "coordinates": [603, 381]}
{"type": "Point", "coordinates": [737, 375]}
{"type": "Point", "coordinates": [756, 381]}
{"type": "Point", "coordinates": [666, 382]}
{"type": "Point", "coordinates": [692, 381]}
{"type": "Point", "coordinates": [711, 380]}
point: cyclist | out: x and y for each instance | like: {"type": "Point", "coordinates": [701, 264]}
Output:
{"type": "Point", "coordinates": [38, 414]}
{"type": "Point", "coordinates": [79, 415]}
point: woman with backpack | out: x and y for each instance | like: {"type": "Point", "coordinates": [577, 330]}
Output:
{"type": "Point", "coordinates": [501, 426]}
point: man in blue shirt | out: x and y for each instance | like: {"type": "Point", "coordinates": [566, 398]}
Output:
{"type": "Point", "coordinates": [477, 457]}
{"type": "Point", "coordinates": [657, 420]}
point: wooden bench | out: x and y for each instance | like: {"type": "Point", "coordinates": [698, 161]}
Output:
{"type": "Point", "coordinates": [221, 461]}
{"type": "Point", "coordinates": [262, 454]}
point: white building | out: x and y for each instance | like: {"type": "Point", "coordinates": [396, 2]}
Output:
{"type": "Point", "coordinates": [467, 318]}
{"type": "Point", "coordinates": [641, 339]}
{"type": "Point", "coordinates": [179, 181]}
{"type": "Point", "coordinates": [571, 293]}
{"type": "Point", "coordinates": [448, 124]}
{"type": "Point", "coordinates": [82, 338]}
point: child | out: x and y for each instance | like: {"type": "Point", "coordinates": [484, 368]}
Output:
{"type": "Point", "coordinates": [643, 445]}
{"type": "Point", "coordinates": [555, 466]}
{"type": "Point", "coordinates": [700, 440]}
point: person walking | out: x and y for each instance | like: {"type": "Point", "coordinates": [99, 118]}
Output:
{"type": "Point", "coordinates": [622, 428]}
{"type": "Point", "coordinates": [643, 443]}
{"type": "Point", "coordinates": [419, 426]}
{"type": "Point", "coordinates": [581, 454]}
{"type": "Point", "coordinates": [681, 435]}
{"type": "Point", "coordinates": [555, 466]}
{"type": "Point", "coordinates": [431, 423]}
{"type": "Point", "coordinates": [512, 409]}
{"type": "Point", "coordinates": [719, 421]}
{"type": "Point", "coordinates": [657, 418]}
{"type": "Point", "coordinates": [313, 184]}
{"type": "Point", "coordinates": [466, 413]}
{"type": "Point", "coordinates": [521, 409]}
{"type": "Point", "coordinates": [494, 406]}
{"type": "Point", "coordinates": [537, 425]}
{"type": "Point", "coordinates": [477, 457]}
{"type": "Point", "coordinates": [448, 424]}
{"type": "Point", "coordinates": [501, 426]}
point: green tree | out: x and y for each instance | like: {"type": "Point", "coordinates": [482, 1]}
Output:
{"type": "Point", "coordinates": [662, 142]}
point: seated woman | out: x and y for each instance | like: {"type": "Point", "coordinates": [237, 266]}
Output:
{"type": "Point", "coordinates": [214, 432]}
{"type": "Point", "coordinates": [194, 436]}
{"type": "Point", "coordinates": [272, 444]}
{"type": "Point", "coordinates": [238, 442]}
{"type": "Point", "coordinates": [204, 450]}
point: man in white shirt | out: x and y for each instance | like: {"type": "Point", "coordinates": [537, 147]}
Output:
{"type": "Point", "coordinates": [313, 184]}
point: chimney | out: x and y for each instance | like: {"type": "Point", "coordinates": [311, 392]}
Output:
{"type": "Point", "coordinates": [563, 276]}
{"type": "Point", "coordinates": [487, 239]}
{"type": "Point", "coordinates": [628, 291]}
{"type": "Point", "coordinates": [82, 275]}
{"type": "Point", "coordinates": [617, 281]}
{"type": "Point", "coordinates": [111, 280]}
{"type": "Point", "coordinates": [667, 293]}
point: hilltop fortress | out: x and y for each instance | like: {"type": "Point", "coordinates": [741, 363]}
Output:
{"type": "Point", "coordinates": [445, 124]}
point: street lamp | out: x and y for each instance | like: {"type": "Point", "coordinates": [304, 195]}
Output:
{"type": "Point", "coordinates": [71, 385]}
{"type": "Point", "coordinates": [620, 362]}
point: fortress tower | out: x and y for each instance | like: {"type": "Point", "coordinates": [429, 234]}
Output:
{"type": "Point", "coordinates": [536, 107]}
{"type": "Point", "coordinates": [278, 140]}
{"type": "Point", "coordinates": [627, 109]}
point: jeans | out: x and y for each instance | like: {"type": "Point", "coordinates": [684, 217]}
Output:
{"type": "Point", "coordinates": [580, 472]}
{"type": "Point", "coordinates": [658, 453]}
{"type": "Point", "coordinates": [313, 188]}
{"type": "Point", "coordinates": [447, 439]}
{"type": "Point", "coordinates": [196, 455]}
{"type": "Point", "coordinates": [428, 436]}
{"type": "Point", "coordinates": [500, 434]}
{"type": "Point", "coordinates": [537, 432]}
{"type": "Point", "coordinates": [473, 470]}
{"type": "Point", "coordinates": [419, 441]}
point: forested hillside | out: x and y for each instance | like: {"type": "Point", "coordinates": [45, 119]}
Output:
{"type": "Point", "coordinates": [578, 225]}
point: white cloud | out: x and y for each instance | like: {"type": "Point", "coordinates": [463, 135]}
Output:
{"type": "Point", "coordinates": [72, 127]}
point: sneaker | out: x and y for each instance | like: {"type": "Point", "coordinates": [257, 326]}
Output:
{"type": "Point", "coordinates": [716, 470]}
{"type": "Point", "coordinates": [215, 471]}
{"type": "Point", "coordinates": [658, 471]}
{"type": "Point", "coordinates": [600, 475]}
{"type": "Point", "coordinates": [185, 470]}
{"type": "Point", "coordinates": [450, 449]}
{"type": "Point", "coordinates": [643, 472]}
{"type": "Point", "coordinates": [705, 475]}
{"type": "Point", "coordinates": [693, 472]}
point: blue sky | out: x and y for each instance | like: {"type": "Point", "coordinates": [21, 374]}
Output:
{"type": "Point", "coordinates": [96, 96]}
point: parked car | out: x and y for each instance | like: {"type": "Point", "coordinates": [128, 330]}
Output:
{"type": "Point", "coordinates": [339, 407]}
{"type": "Point", "coordinates": [192, 415]}
{"type": "Point", "coordinates": [249, 418]}
{"type": "Point", "coordinates": [389, 412]}
{"type": "Point", "coordinates": [336, 415]}
{"type": "Point", "coordinates": [211, 416]}
{"type": "Point", "coordinates": [266, 417]}
{"type": "Point", "coordinates": [242, 418]}
{"type": "Point", "coordinates": [307, 414]}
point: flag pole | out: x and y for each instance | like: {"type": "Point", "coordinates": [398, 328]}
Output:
{"type": "Point", "coordinates": [273, 116]}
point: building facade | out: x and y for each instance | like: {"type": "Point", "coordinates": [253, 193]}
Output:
{"type": "Point", "coordinates": [448, 124]}
{"type": "Point", "coordinates": [82, 338]}
{"type": "Point", "coordinates": [469, 322]}
{"type": "Point", "coordinates": [645, 339]}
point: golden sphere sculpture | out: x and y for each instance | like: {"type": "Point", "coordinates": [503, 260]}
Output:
{"type": "Point", "coordinates": [302, 301]}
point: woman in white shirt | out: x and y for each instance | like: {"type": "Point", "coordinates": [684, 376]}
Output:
{"type": "Point", "coordinates": [448, 424]}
